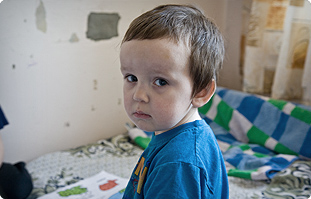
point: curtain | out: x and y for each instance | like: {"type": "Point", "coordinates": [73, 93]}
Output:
{"type": "Point", "coordinates": [276, 49]}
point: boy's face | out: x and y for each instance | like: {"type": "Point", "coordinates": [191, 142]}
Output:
{"type": "Point", "coordinates": [157, 84]}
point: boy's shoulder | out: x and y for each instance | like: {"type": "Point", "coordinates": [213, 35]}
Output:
{"type": "Point", "coordinates": [198, 131]}
{"type": "Point", "coordinates": [190, 145]}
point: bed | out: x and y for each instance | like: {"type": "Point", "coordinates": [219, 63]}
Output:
{"type": "Point", "coordinates": [265, 143]}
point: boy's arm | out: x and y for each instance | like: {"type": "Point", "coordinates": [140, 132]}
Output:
{"type": "Point", "coordinates": [177, 180]}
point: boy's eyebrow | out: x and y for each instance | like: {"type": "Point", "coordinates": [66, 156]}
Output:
{"type": "Point", "coordinates": [154, 70]}
{"type": "Point", "coordinates": [126, 69]}
{"type": "Point", "coordinates": [123, 67]}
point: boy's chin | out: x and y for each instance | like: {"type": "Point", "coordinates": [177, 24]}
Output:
{"type": "Point", "coordinates": [142, 126]}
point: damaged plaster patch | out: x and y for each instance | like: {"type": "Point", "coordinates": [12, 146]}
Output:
{"type": "Point", "coordinates": [102, 26]}
{"type": "Point", "coordinates": [95, 84]}
{"type": "Point", "coordinates": [67, 124]}
{"type": "Point", "coordinates": [74, 38]}
{"type": "Point", "coordinates": [40, 18]}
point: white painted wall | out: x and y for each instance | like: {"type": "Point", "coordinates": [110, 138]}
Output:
{"type": "Point", "coordinates": [58, 94]}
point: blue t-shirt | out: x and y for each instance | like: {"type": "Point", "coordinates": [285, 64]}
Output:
{"type": "Point", "coordinates": [184, 162]}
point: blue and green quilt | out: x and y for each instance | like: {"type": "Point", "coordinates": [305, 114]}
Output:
{"type": "Point", "coordinates": [262, 135]}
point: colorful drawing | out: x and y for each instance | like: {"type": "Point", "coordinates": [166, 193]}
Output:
{"type": "Point", "coordinates": [73, 191]}
{"type": "Point", "coordinates": [109, 185]}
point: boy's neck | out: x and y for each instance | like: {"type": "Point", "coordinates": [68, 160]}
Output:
{"type": "Point", "coordinates": [193, 116]}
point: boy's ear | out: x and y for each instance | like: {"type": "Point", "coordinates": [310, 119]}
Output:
{"type": "Point", "coordinates": [204, 95]}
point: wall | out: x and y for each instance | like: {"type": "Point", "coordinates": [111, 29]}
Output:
{"type": "Point", "coordinates": [58, 88]}
{"type": "Point", "coordinates": [230, 75]}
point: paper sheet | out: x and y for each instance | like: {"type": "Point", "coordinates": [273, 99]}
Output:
{"type": "Point", "coordinates": [100, 186]}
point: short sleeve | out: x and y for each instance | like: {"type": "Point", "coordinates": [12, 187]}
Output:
{"type": "Point", "coordinates": [177, 180]}
{"type": "Point", "coordinates": [3, 120]}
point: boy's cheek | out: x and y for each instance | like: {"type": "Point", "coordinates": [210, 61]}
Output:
{"type": "Point", "coordinates": [126, 91]}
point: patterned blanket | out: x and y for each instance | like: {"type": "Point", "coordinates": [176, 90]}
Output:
{"type": "Point", "coordinates": [292, 182]}
{"type": "Point", "coordinates": [118, 155]}
{"type": "Point", "coordinates": [260, 136]}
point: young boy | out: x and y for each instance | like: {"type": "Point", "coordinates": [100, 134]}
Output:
{"type": "Point", "coordinates": [169, 59]}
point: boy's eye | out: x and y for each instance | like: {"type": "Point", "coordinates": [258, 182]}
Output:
{"type": "Point", "coordinates": [160, 82]}
{"type": "Point", "coordinates": [131, 78]}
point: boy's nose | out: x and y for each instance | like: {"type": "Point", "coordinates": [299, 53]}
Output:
{"type": "Point", "coordinates": [140, 94]}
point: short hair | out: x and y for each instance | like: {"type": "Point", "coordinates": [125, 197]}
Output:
{"type": "Point", "coordinates": [188, 24]}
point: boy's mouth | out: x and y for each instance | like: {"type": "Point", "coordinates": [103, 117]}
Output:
{"type": "Point", "coordinates": [141, 115]}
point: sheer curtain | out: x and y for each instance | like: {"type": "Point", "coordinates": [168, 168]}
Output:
{"type": "Point", "coordinates": [276, 49]}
